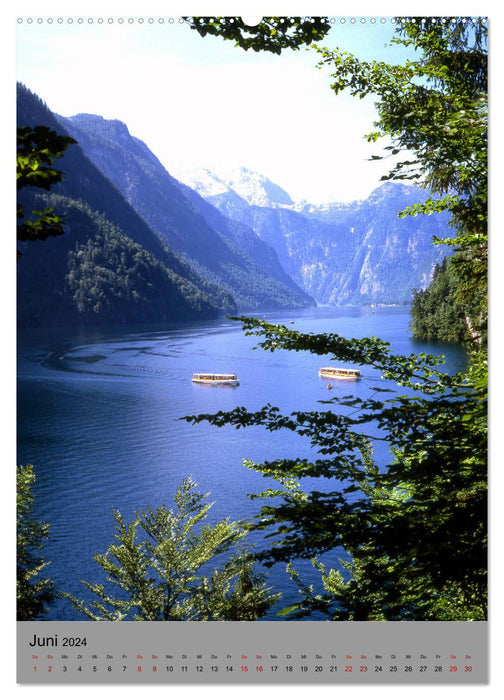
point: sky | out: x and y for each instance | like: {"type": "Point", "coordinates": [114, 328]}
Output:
{"type": "Point", "coordinates": [202, 102]}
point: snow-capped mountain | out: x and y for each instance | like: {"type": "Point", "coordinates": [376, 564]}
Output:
{"type": "Point", "coordinates": [256, 189]}
{"type": "Point", "coordinates": [339, 253]}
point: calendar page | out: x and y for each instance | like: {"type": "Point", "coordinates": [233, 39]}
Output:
{"type": "Point", "coordinates": [252, 349]}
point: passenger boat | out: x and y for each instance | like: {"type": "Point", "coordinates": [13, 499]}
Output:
{"type": "Point", "coordinates": [214, 378]}
{"type": "Point", "coordinates": [339, 373]}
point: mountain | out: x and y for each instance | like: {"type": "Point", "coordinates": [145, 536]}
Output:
{"type": "Point", "coordinates": [233, 191]}
{"type": "Point", "coordinates": [224, 252]}
{"type": "Point", "coordinates": [73, 279]}
{"type": "Point", "coordinates": [357, 253]}
{"type": "Point", "coordinates": [238, 234]}
{"type": "Point", "coordinates": [252, 187]}
{"type": "Point", "coordinates": [142, 245]}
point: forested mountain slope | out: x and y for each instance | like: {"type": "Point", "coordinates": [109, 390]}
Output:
{"type": "Point", "coordinates": [220, 250]}
{"type": "Point", "coordinates": [45, 266]}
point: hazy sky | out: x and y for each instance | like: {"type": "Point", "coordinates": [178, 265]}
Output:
{"type": "Point", "coordinates": [201, 101]}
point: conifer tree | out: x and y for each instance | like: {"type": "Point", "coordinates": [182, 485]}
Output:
{"type": "Point", "coordinates": [34, 593]}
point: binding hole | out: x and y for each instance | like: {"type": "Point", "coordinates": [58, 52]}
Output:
{"type": "Point", "coordinates": [251, 21]}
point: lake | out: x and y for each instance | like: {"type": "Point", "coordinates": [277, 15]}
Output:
{"type": "Point", "coordinates": [99, 418]}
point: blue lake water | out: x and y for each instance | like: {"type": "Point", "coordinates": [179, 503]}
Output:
{"type": "Point", "coordinates": [99, 418]}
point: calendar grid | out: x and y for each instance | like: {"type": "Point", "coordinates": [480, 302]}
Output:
{"type": "Point", "coordinates": [269, 652]}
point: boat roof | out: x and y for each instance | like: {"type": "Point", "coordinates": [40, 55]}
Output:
{"type": "Point", "coordinates": [214, 374]}
{"type": "Point", "coordinates": [349, 370]}
{"type": "Point", "coordinates": [342, 369]}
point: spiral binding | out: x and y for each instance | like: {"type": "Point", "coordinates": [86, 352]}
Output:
{"type": "Point", "coordinates": [181, 20]}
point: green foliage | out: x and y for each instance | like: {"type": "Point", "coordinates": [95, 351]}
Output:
{"type": "Point", "coordinates": [37, 149]}
{"type": "Point", "coordinates": [414, 529]}
{"type": "Point", "coordinates": [439, 312]}
{"type": "Point", "coordinates": [273, 34]}
{"type": "Point", "coordinates": [164, 564]}
{"type": "Point", "coordinates": [434, 109]}
{"type": "Point", "coordinates": [34, 594]}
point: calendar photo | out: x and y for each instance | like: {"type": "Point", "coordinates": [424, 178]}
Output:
{"type": "Point", "coordinates": [252, 339]}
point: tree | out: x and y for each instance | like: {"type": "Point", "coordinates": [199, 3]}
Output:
{"type": "Point", "coordinates": [165, 565]}
{"type": "Point", "coordinates": [415, 528]}
{"type": "Point", "coordinates": [273, 34]}
{"type": "Point", "coordinates": [435, 108]}
{"type": "Point", "coordinates": [37, 149]}
{"type": "Point", "coordinates": [34, 594]}
{"type": "Point", "coordinates": [436, 313]}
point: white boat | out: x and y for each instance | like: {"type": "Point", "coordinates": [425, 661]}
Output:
{"type": "Point", "coordinates": [215, 378]}
{"type": "Point", "coordinates": [339, 373]}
